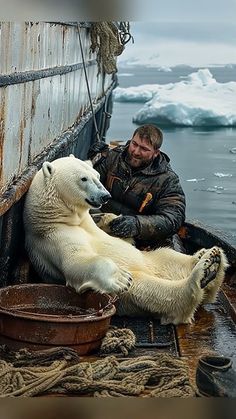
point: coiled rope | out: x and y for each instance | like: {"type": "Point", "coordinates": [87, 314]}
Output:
{"type": "Point", "coordinates": [145, 376]}
{"type": "Point", "coordinates": [118, 340]}
{"type": "Point", "coordinates": [58, 371]}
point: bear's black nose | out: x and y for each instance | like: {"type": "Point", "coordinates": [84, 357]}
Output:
{"type": "Point", "coordinates": [105, 198]}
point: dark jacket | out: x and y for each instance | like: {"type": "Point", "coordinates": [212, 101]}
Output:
{"type": "Point", "coordinates": [153, 194]}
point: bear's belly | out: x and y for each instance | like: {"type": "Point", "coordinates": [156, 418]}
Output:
{"type": "Point", "coordinates": [121, 252]}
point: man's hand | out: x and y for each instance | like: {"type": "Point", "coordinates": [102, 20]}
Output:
{"type": "Point", "coordinates": [96, 148]}
{"type": "Point", "coordinates": [125, 226]}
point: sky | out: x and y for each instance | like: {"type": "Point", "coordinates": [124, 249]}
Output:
{"type": "Point", "coordinates": [169, 32]}
{"type": "Point", "coordinates": [197, 33]}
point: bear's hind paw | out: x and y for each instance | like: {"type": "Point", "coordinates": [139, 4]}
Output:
{"type": "Point", "coordinates": [211, 267]}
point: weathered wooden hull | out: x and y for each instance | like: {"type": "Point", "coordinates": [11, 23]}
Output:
{"type": "Point", "coordinates": [196, 235]}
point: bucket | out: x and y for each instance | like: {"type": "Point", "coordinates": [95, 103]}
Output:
{"type": "Point", "coordinates": [40, 316]}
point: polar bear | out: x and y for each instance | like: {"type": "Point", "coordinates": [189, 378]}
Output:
{"type": "Point", "coordinates": [66, 246]}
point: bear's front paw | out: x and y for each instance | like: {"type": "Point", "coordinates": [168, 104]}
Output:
{"type": "Point", "coordinates": [120, 281]}
{"type": "Point", "coordinates": [106, 276]}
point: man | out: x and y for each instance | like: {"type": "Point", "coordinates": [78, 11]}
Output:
{"type": "Point", "coordinates": [143, 186]}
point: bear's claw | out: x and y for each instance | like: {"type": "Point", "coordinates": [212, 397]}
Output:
{"type": "Point", "coordinates": [201, 253]}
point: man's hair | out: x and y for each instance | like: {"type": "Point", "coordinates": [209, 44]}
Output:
{"type": "Point", "coordinates": [151, 133]}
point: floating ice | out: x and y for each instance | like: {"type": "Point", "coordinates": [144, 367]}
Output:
{"type": "Point", "coordinates": [209, 190]}
{"type": "Point", "coordinates": [196, 180]}
{"type": "Point", "coordinates": [216, 189]}
{"type": "Point", "coordinates": [165, 69]}
{"type": "Point", "coordinates": [125, 74]}
{"type": "Point", "coordinates": [223, 174]}
{"type": "Point", "coordinates": [135, 94]}
{"type": "Point", "coordinates": [233, 150]}
{"type": "Point", "coordinates": [213, 190]}
{"type": "Point", "coordinates": [198, 100]}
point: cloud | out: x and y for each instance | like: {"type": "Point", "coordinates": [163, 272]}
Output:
{"type": "Point", "coordinates": [187, 10]}
{"type": "Point", "coordinates": [190, 43]}
{"type": "Point", "coordinates": [195, 31]}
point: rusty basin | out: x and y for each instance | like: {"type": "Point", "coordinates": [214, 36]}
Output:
{"type": "Point", "coordinates": [38, 316]}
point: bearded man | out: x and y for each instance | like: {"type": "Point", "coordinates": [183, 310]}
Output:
{"type": "Point", "coordinates": [145, 191]}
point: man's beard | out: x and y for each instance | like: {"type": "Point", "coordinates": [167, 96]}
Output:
{"type": "Point", "coordinates": [137, 162]}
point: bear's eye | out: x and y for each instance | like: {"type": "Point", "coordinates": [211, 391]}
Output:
{"type": "Point", "coordinates": [84, 179]}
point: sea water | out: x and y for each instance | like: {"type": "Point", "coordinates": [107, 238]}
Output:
{"type": "Point", "coordinates": [203, 157]}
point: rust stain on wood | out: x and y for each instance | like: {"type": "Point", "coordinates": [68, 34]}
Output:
{"type": "Point", "coordinates": [16, 191]}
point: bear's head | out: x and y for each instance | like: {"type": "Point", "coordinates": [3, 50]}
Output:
{"type": "Point", "coordinates": [75, 182]}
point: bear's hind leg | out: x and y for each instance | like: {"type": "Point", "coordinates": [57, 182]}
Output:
{"type": "Point", "coordinates": [176, 301]}
{"type": "Point", "coordinates": [203, 280]}
{"type": "Point", "coordinates": [173, 301]}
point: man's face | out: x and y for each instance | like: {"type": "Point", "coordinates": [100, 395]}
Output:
{"type": "Point", "coordinates": [141, 152]}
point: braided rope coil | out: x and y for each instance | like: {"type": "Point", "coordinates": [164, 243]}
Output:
{"type": "Point", "coordinates": [58, 371]}
{"type": "Point", "coordinates": [161, 376]}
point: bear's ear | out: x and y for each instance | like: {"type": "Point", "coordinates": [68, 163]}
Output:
{"type": "Point", "coordinates": [71, 155]}
{"type": "Point", "coordinates": [89, 163]}
{"type": "Point", "coordinates": [48, 169]}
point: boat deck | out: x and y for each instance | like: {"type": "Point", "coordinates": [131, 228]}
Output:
{"type": "Point", "coordinates": [213, 332]}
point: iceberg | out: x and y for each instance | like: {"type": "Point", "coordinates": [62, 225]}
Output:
{"type": "Point", "coordinates": [138, 94]}
{"type": "Point", "coordinates": [198, 100]}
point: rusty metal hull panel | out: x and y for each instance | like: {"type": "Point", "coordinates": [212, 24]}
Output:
{"type": "Point", "coordinates": [43, 90]}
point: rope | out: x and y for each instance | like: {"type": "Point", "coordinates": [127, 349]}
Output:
{"type": "Point", "coordinates": [118, 340]}
{"type": "Point", "coordinates": [45, 357]}
{"type": "Point", "coordinates": [88, 88]}
{"type": "Point", "coordinates": [58, 371]}
{"type": "Point", "coordinates": [125, 35]}
{"type": "Point", "coordinates": [160, 376]}
{"type": "Point", "coordinates": [106, 41]}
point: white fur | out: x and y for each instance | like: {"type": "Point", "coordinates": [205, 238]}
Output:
{"type": "Point", "coordinates": [65, 245]}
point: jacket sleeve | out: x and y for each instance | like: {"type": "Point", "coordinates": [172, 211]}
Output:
{"type": "Point", "coordinates": [101, 166]}
{"type": "Point", "coordinates": [169, 212]}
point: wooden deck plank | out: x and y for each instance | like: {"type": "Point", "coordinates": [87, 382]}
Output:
{"type": "Point", "coordinates": [151, 336]}
{"type": "Point", "coordinates": [228, 296]}
{"type": "Point", "coordinates": [213, 332]}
